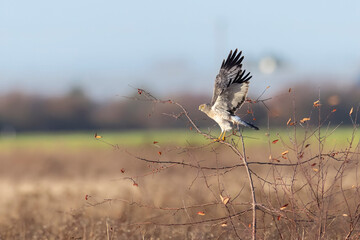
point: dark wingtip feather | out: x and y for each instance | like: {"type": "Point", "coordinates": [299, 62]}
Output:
{"type": "Point", "coordinates": [235, 59]}
{"type": "Point", "coordinates": [230, 54]}
{"type": "Point", "coordinates": [247, 77]}
{"type": "Point", "coordinates": [240, 78]}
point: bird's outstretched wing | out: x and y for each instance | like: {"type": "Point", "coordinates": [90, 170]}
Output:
{"type": "Point", "coordinates": [231, 84]}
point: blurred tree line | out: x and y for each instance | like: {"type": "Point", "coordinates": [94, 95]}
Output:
{"type": "Point", "coordinates": [77, 111]}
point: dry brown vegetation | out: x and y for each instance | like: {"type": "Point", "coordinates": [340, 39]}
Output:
{"type": "Point", "coordinates": [305, 188]}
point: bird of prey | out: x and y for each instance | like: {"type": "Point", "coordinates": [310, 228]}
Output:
{"type": "Point", "coordinates": [230, 90]}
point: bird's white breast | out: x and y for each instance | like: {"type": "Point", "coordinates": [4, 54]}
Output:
{"type": "Point", "coordinates": [221, 119]}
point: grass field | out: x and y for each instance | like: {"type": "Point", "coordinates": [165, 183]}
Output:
{"type": "Point", "coordinates": [72, 186]}
{"type": "Point", "coordinates": [183, 137]}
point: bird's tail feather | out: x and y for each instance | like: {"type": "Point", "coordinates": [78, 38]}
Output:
{"type": "Point", "coordinates": [238, 121]}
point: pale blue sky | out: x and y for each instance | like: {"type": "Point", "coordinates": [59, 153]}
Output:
{"type": "Point", "coordinates": [48, 46]}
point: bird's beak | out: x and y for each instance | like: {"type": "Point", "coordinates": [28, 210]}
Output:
{"type": "Point", "coordinates": [200, 107]}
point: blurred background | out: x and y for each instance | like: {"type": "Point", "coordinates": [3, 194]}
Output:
{"type": "Point", "coordinates": [67, 65]}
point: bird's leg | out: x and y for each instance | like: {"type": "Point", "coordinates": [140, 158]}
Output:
{"type": "Point", "coordinates": [223, 138]}
{"type": "Point", "coordinates": [219, 138]}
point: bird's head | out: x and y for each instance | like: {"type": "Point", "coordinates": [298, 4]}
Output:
{"type": "Point", "coordinates": [205, 108]}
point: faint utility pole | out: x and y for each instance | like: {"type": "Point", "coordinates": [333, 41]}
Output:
{"type": "Point", "coordinates": [221, 38]}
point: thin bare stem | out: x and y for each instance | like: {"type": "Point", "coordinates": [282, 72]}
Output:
{"type": "Point", "coordinates": [252, 188]}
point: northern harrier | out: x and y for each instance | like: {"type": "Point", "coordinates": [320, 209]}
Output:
{"type": "Point", "coordinates": [230, 90]}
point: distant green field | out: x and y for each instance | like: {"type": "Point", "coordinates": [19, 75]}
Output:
{"type": "Point", "coordinates": [48, 141]}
